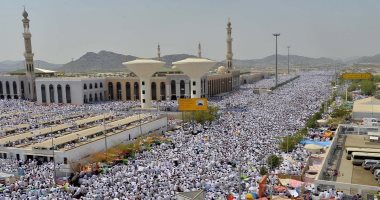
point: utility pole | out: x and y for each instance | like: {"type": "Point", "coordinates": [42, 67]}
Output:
{"type": "Point", "coordinates": [52, 147]}
{"type": "Point", "coordinates": [105, 135]}
{"type": "Point", "coordinates": [276, 35]}
{"type": "Point", "coordinates": [288, 60]}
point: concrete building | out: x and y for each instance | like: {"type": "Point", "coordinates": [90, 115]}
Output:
{"type": "Point", "coordinates": [366, 108]}
{"type": "Point", "coordinates": [44, 86]}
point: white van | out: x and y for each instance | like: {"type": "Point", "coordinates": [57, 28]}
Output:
{"type": "Point", "coordinates": [366, 120]}
{"type": "Point", "coordinates": [367, 164]}
{"type": "Point", "coordinates": [376, 174]}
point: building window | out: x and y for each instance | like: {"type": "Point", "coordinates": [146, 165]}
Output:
{"type": "Point", "coordinates": [65, 160]}
{"type": "Point", "coordinates": [194, 92]}
{"type": "Point", "coordinates": [118, 90]}
{"type": "Point", "coordinates": [143, 91]}
{"type": "Point", "coordinates": [85, 86]}
{"type": "Point", "coordinates": [110, 91]}
{"type": "Point", "coordinates": [162, 90]}
{"type": "Point", "coordinates": [15, 96]}
{"type": "Point", "coordinates": [96, 85]}
{"type": "Point", "coordinates": [59, 90]}
{"type": "Point", "coordinates": [68, 94]}
{"type": "Point", "coordinates": [43, 93]}
{"type": "Point", "coordinates": [101, 85]}
{"type": "Point", "coordinates": [128, 90]}
{"type": "Point", "coordinates": [194, 83]}
{"type": "Point", "coordinates": [143, 100]}
{"type": "Point", "coordinates": [154, 90]}
{"type": "Point", "coordinates": [51, 93]}
{"type": "Point", "coordinates": [142, 82]}
{"type": "Point", "coordinates": [90, 86]}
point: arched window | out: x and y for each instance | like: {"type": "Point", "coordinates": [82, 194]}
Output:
{"type": "Point", "coordinates": [1, 90]}
{"type": "Point", "coordinates": [85, 86]}
{"type": "Point", "coordinates": [154, 90]}
{"type": "Point", "coordinates": [59, 91]}
{"type": "Point", "coordinates": [96, 85]}
{"type": "Point", "coordinates": [22, 90]}
{"type": "Point", "coordinates": [43, 93]}
{"type": "Point", "coordinates": [101, 85]}
{"type": "Point", "coordinates": [118, 90]}
{"type": "Point", "coordinates": [51, 93]}
{"type": "Point", "coordinates": [90, 86]}
{"type": "Point", "coordinates": [128, 90]}
{"type": "Point", "coordinates": [96, 97]}
{"type": "Point", "coordinates": [85, 98]}
{"type": "Point", "coordinates": [15, 96]}
{"type": "Point", "coordinates": [110, 91]}
{"type": "Point", "coordinates": [90, 98]}
{"type": "Point", "coordinates": [162, 90]}
{"type": "Point", "coordinates": [68, 94]}
{"type": "Point", "coordinates": [173, 90]}
{"type": "Point", "coordinates": [101, 96]}
{"type": "Point", "coordinates": [182, 88]}
{"type": "Point", "coordinates": [8, 90]}
{"type": "Point", "coordinates": [136, 90]}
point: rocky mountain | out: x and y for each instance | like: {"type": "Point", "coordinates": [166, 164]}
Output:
{"type": "Point", "coordinates": [9, 65]}
{"type": "Point", "coordinates": [106, 61]}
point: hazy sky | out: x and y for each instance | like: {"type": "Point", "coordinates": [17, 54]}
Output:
{"type": "Point", "coordinates": [67, 29]}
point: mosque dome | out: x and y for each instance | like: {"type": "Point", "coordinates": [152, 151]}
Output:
{"type": "Point", "coordinates": [221, 70]}
{"type": "Point", "coordinates": [25, 14]}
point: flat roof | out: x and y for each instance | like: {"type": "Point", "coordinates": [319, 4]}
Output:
{"type": "Point", "coordinates": [47, 130]}
{"type": "Point", "coordinates": [87, 132]}
{"type": "Point", "coordinates": [360, 141]}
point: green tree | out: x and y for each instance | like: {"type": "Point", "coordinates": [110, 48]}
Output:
{"type": "Point", "coordinates": [263, 171]}
{"type": "Point", "coordinates": [274, 161]}
{"type": "Point", "coordinates": [368, 87]}
{"type": "Point", "coordinates": [202, 117]}
{"type": "Point", "coordinates": [339, 112]}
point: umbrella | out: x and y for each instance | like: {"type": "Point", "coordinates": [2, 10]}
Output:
{"type": "Point", "coordinates": [280, 188]}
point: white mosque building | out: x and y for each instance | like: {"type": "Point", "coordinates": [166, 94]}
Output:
{"type": "Point", "coordinates": [46, 87]}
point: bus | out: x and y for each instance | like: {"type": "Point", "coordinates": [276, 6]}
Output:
{"type": "Point", "coordinates": [359, 157]}
{"type": "Point", "coordinates": [349, 151]}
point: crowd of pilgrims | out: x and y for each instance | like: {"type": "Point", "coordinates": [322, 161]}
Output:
{"type": "Point", "coordinates": [249, 129]}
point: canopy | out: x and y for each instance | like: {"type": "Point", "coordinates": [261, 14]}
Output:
{"type": "Point", "coordinates": [313, 147]}
{"type": "Point", "coordinates": [320, 143]}
{"type": "Point", "coordinates": [291, 182]}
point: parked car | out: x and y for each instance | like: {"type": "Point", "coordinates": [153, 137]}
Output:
{"type": "Point", "coordinates": [367, 164]}
{"type": "Point", "coordinates": [375, 167]}
{"type": "Point", "coordinates": [376, 174]}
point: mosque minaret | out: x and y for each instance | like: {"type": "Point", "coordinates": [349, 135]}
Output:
{"type": "Point", "coordinates": [229, 46]}
{"type": "Point", "coordinates": [29, 57]}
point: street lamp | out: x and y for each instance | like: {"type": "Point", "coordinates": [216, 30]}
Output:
{"type": "Point", "coordinates": [52, 148]}
{"type": "Point", "coordinates": [276, 35]}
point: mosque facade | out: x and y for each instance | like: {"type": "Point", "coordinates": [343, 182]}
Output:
{"type": "Point", "coordinates": [45, 86]}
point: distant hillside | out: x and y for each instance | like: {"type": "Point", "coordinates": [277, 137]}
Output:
{"type": "Point", "coordinates": [282, 61]}
{"type": "Point", "coordinates": [368, 60]}
{"type": "Point", "coordinates": [9, 65]}
{"type": "Point", "coordinates": [106, 61]}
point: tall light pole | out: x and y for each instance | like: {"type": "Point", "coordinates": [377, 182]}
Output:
{"type": "Point", "coordinates": [276, 35]}
{"type": "Point", "coordinates": [105, 135]}
{"type": "Point", "coordinates": [288, 59]}
{"type": "Point", "coordinates": [52, 147]}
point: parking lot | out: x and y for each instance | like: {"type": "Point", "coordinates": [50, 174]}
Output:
{"type": "Point", "coordinates": [349, 173]}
